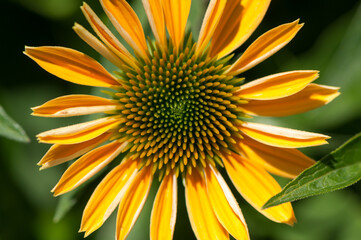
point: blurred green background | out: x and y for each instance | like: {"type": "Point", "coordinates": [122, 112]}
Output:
{"type": "Point", "coordinates": [330, 42]}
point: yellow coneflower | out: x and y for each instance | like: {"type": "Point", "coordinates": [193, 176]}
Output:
{"type": "Point", "coordinates": [179, 108]}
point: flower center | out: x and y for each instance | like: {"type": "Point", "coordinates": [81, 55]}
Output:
{"type": "Point", "coordinates": [179, 109]}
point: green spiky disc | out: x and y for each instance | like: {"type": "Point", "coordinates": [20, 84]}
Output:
{"type": "Point", "coordinates": [180, 109]}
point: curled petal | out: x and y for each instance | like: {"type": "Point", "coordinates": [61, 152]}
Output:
{"type": "Point", "coordinates": [311, 97]}
{"type": "Point", "coordinates": [164, 210]}
{"type": "Point", "coordinates": [127, 23]}
{"type": "Point", "coordinates": [107, 196]}
{"type": "Point", "coordinates": [239, 20]}
{"type": "Point", "coordinates": [79, 132]}
{"type": "Point", "coordinates": [265, 46]}
{"type": "Point", "coordinates": [282, 137]}
{"type": "Point", "coordinates": [86, 166]}
{"type": "Point", "coordinates": [225, 205]}
{"type": "Point", "coordinates": [74, 105]}
{"type": "Point", "coordinates": [133, 202]}
{"type": "Point", "coordinates": [154, 11]}
{"type": "Point", "coordinates": [58, 154]}
{"type": "Point", "coordinates": [210, 21]}
{"type": "Point", "coordinates": [284, 162]}
{"type": "Point", "coordinates": [204, 222]}
{"type": "Point", "coordinates": [176, 15]}
{"type": "Point", "coordinates": [277, 86]}
{"type": "Point", "coordinates": [257, 186]}
{"type": "Point", "coordinates": [71, 65]}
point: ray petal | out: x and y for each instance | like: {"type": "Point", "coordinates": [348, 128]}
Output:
{"type": "Point", "coordinates": [265, 46]}
{"type": "Point", "coordinates": [71, 65]}
{"type": "Point", "coordinates": [204, 222]}
{"type": "Point", "coordinates": [106, 35]}
{"type": "Point", "coordinates": [210, 21]}
{"type": "Point", "coordinates": [277, 86]}
{"type": "Point", "coordinates": [154, 11]}
{"type": "Point", "coordinates": [58, 154]}
{"type": "Point", "coordinates": [239, 20]}
{"type": "Point", "coordinates": [133, 202]}
{"type": "Point", "coordinates": [176, 14]}
{"type": "Point", "coordinates": [97, 45]}
{"type": "Point", "coordinates": [284, 162]}
{"type": "Point", "coordinates": [107, 196]}
{"type": "Point", "coordinates": [127, 23]}
{"type": "Point", "coordinates": [225, 205]}
{"type": "Point", "coordinates": [164, 210]}
{"type": "Point", "coordinates": [257, 186]}
{"type": "Point", "coordinates": [311, 97]}
{"type": "Point", "coordinates": [79, 132]}
{"type": "Point", "coordinates": [282, 137]}
{"type": "Point", "coordinates": [86, 166]}
{"type": "Point", "coordinates": [74, 105]}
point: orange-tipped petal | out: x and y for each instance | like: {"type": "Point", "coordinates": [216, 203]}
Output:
{"type": "Point", "coordinates": [106, 35]}
{"type": "Point", "coordinates": [133, 202]}
{"type": "Point", "coordinates": [176, 15]}
{"type": "Point", "coordinates": [58, 154]}
{"type": "Point", "coordinates": [311, 97]}
{"type": "Point", "coordinates": [107, 196]}
{"type": "Point", "coordinates": [203, 220]}
{"type": "Point", "coordinates": [277, 86]}
{"type": "Point", "coordinates": [71, 65]}
{"type": "Point", "coordinates": [282, 137]}
{"type": "Point", "coordinates": [74, 105]}
{"type": "Point", "coordinates": [225, 205]}
{"type": "Point", "coordinates": [86, 166]}
{"type": "Point", "coordinates": [97, 45]}
{"type": "Point", "coordinates": [265, 46]}
{"type": "Point", "coordinates": [239, 20]}
{"type": "Point", "coordinates": [257, 186]}
{"type": "Point", "coordinates": [154, 11]}
{"type": "Point", "coordinates": [127, 23]}
{"type": "Point", "coordinates": [79, 132]}
{"type": "Point", "coordinates": [164, 210]}
{"type": "Point", "coordinates": [210, 21]}
{"type": "Point", "coordinates": [284, 162]}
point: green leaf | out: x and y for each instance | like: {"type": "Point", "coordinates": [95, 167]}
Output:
{"type": "Point", "coordinates": [65, 204]}
{"type": "Point", "coordinates": [337, 170]}
{"type": "Point", "coordinates": [10, 129]}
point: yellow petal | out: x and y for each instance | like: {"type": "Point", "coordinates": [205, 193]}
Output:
{"type": "Point", "coordinates": [210, 21]}
{"type": "Point", "coordinates": [176, 15]}
{"type": "Point", "coordinates": [164, 210]}
{"type": "Point", "coordinates": [239, 19]}
{"type": "Point", "coordinates": [86, 166]}
{"type": "Point", "coordinates": [265, 46]}
{"type": "Point", "coordinates": [154, 11]}
{"type": "Point", "coordinates": [311, 97]}
{"type": "Point", "coordinates": [79, 132]}
{"type": "Point", "coordinates": [282, 137]}
{"type": "Point", "coordinates": [97, 45]}
{"type": "Point", "coordinates": [203, 220]}
{"type": "Point", "coordinates": [127, 23]}
{"type": "Point", "coordinates": [107, 196]}
{"type": "Point", "coordinates": [71, 65]}
{"type": "Point", "coordinates": [277, 86]}
{"type": "Point", "coordinates": [257, 186]}
{"type": "Point", "coordinates": [284, 162]}
{"type": "Point", "coordinates": [74, 105]}
{"type": "Point", "coordinates": [106, 35]}
{"type": "Point", "coordinates": [225, 205]}
{"type": "Point", "coordinates": [58, 154]}
{"type": "Point", "coordinates": [133, 202]}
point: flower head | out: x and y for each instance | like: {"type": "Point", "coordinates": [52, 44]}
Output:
{"type": "Point", "coordinates": [179, 108]}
